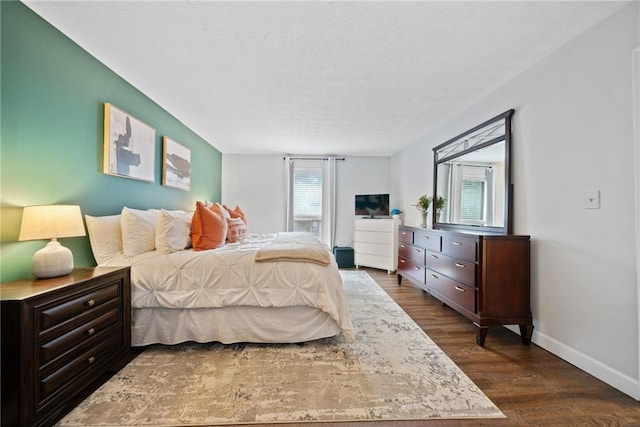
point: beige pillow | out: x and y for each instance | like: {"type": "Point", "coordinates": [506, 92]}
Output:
{"type": "Point", "coordinates": [236, 213]}
{"type": "Point", "coordinates": [105, 236]}
{"type": "Point", "coordinates": [138, 230]}
{"type": "Point", "coordinates": [236, 230]}
{"type": "Point", "coordinates": [173, 231]}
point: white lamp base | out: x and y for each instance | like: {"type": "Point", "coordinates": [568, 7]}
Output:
{"type": "Point", "coordinates": [53, 260]}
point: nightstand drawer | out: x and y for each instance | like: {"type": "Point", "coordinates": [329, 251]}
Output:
{"type": "Point", "coordinates": [51, 350]}
{"type": "Point", "coordinates": [59, 312]}
{"type": "Point", "coordinates": [60, 336]}
{"type": "Point", "coordinates": [85, 365]}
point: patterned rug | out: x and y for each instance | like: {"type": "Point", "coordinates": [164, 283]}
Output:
{"type": "Point", "coordinates": [392, 372]}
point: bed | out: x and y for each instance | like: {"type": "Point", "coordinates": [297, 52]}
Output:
{"type": "Point", "coordinates": [256, 289]}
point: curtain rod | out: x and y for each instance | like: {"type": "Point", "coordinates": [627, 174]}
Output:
{"type": "Point", "coordinates": [312, 158]}
{"type": "Point", "coordinates": [473, 166]}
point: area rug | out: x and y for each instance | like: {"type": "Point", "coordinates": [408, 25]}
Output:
{"type": "Point", "coordinates": [393, 371]}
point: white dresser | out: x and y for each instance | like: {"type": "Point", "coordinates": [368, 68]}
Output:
{"type": "Point", "coordinates": [375, 243]}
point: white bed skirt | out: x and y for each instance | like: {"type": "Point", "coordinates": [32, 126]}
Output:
{"type": "Point", "coordinates": [230, 325]}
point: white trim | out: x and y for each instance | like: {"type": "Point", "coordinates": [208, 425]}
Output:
{"type": "Point", "coordinates": [636, 148]}
{"type": "Point", "coordinates": [614, 378]}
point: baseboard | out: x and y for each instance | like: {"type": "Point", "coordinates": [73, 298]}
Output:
{"type": "Point", "coordinates": [615, 379]}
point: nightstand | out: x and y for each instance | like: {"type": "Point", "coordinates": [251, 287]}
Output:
{"type": "Point", "coordinates": [60, 338]}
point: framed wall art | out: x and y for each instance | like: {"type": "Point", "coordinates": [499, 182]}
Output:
{"type": "Point", "coordinates": [176, 165]}
{"type": "Point", "coordinates": [129, 145]}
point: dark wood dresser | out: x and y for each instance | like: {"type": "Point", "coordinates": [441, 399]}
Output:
{"type": "Point", "coordinates": [485, 277]}
{"type": "Point", "coordinates": [59, 337]}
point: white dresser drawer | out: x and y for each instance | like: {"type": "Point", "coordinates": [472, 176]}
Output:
{"type": "Point", "coordinates": [372, 237]}
{"type": "Point", "coordinates": [373, 249]}
{"type": "Point", "coordinates": [375, 225]}
{"type": "Point", "coordinates": [375, 261]}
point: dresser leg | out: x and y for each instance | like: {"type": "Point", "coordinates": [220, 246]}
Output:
{"type": "Point", "coordinates": [481, 334]}
{"type": "Point", "coordinates": [399, 279]}
{"type": "Point", "coordinates": [525, 332]}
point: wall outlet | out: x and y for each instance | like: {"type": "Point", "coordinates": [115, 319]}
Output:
{"type": "Point", "coordinates": [592, 199]}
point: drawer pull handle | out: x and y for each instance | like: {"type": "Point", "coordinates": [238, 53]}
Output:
{"type": "Point", "coordinates": [434, 276]}
{"type": "Point", "coordinates": [458, 288]}
{"type": "Point", "coordinates": [402, 246]}
{"type": "Point", "coordinates": [459, 265]}
{"type": "Point", "coordinates": [402, 261]}
{"type": "Point", "coordinates": [91, 303]}
{"type": "Point", "coordinates": [91, 331]}
{"type": "Point", "coordinates": [434, 256]}
{"type": "Point", "coordinates": [416, 268]}
{"type": "Point", "coordinates": [457, 243]}
{"type": "Point", "coordinates": [417, 251]}
{"type": "Point", "coordinates": [426, 237]}
{"type": "Point", "coordinates": [404, 233]}
{"type": "Point", "coordinates": [91, 360]}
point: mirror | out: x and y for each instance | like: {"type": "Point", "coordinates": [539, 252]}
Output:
{"type": "Point", "coordinates": [472, 175]}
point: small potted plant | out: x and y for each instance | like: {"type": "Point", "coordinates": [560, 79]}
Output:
{"type": "Point", "coordinates": [395, 213]}
{"type": "Point", "coordinates": [423, 206]}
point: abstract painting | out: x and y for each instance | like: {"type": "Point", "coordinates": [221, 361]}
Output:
{"type": "Point", "coordinates": [176, 165]}
{"type": "Point", "coordinates": [129, 145]}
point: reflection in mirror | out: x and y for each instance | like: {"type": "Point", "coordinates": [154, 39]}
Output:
{"type": "Point", "coordinates": [472, 174]}
{"type": "Point", "coordinates": [472, 186]}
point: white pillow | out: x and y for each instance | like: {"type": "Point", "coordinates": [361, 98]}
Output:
{"type": "Point", "coordinates": [105, 236]}
{"type": "Point", "coordinates": [173, 231]}
{"type": "Point", "coordinates": [138, 230]}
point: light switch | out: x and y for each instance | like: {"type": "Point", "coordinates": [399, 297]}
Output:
{"type": "Point", "coordinates": [592, 199]}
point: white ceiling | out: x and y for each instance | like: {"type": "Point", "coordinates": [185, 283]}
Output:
{"type": "Point", "coordinates": [346, 78]}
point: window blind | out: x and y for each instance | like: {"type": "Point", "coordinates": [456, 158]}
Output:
{"type": "Point", "coordinates": [307, 194]}
{"type": "Point", "coordinates": [472, 200]}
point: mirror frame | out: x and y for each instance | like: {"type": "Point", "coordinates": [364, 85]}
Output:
{"type": "Point", "coordinates": [508, 186]}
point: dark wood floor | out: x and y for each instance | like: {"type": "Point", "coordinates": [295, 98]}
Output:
{"type": "Point", "coordinates": [531, 386]}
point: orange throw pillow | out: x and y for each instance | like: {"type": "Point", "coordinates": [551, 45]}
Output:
{"type": "Point", "coordinates": [236, 213]}
{"type": "Point", "coordinates": [208, 228]}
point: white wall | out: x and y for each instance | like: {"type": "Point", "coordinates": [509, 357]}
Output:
{"type": "Point", "coordinates": [573, 132]}
{"type": "Point", "coordinates": [257, 184]}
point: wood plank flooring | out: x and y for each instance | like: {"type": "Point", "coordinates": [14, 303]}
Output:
{"type": "Point", "coordinates": [531, 386]}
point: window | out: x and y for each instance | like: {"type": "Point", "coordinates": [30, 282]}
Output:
{"type": "Point", "coordinates": [307, 200]}
{"type": "Point", "coordinates": [311, 195]}
{"type": "Point", "coordinates": [472, 202]}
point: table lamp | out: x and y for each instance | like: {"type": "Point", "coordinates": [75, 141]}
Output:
{"type": "Point", "coordinates": [51, 222]}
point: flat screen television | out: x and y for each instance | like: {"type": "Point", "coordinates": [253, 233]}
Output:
{"type": "Point", "coordinates": [372, 205]}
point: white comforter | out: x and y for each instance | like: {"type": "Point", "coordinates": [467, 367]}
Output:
{"type": "Point", "coordinates": [229, 276]}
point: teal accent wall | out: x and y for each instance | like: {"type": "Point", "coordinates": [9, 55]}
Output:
{"type": "Point", "coordinates": [51, 114]}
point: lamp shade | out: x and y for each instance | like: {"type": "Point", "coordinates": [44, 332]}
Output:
{"type": "Point", "coordinates": [51, 222]}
